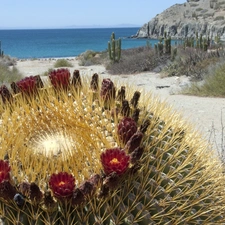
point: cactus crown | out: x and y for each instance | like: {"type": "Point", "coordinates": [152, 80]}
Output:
{"type": "Point", "coordinates": [70, 158]}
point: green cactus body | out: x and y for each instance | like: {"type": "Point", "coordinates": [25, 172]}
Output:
{"type": "Point", "coordinates": [114, 48]}
{"type": "Point", "coordinates": [172, 176]}
{"type": "Point", "coordinates": [1, 52]}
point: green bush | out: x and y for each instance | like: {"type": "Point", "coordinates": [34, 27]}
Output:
{"type": "Point", "coordinates": [199, 9]}
{"type": "Point", "coordinates": [90, 57]}
{"type": "Point", "coordinates": [137, 60]}
{"type": "Point", "coordinates": [62, 63]}
{"type": "Point", "coordinates": [219, 18]}
{"type": "Point", "coordinates": [212, 86]}
{"type": "Point", "coordinates": [192, 62]}
{"type": "Point", "coordinates": [7, 75]}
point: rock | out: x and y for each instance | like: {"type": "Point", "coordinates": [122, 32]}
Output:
{"type": "Point", "coordinates": [183, 20]}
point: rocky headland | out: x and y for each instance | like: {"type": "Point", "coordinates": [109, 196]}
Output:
{"type": "Point", "coordinates": [207, 17]}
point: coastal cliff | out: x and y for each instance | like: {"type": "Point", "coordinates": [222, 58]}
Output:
{"type": "Point", "coordinates": [207, 17]}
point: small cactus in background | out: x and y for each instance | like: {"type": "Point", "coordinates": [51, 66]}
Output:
{"type": "Point", "coordinates": [1, 52]}
{"type": "Point", "coordinates": [160, 47]}
{"type": "Point", "coordinates": [142, 165]}
{"type": "Point", "coordinates": [114, 49]}
{"type": "Point", "coordinates": [167, 44]}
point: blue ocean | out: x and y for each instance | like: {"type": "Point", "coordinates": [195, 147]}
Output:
{"type": "Point", "coordinates": [49, 43]}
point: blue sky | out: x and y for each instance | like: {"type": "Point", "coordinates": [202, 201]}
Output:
{"type": "Point", "coordinates": [80, 13]}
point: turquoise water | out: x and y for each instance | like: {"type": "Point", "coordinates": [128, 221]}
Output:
{"type": "Point", "coordinates": [45, 43]}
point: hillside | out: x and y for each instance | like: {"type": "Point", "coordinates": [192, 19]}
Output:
{"type": "Point", "coordinates": [207, 17]}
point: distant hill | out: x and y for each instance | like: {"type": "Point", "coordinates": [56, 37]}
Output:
{"type": "Point", "coordinates": [207, 17]}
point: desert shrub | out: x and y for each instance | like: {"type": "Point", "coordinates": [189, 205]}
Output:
{"type": "Point", "coordinates": [8, 75]}
{"type": "Point", "coordinates": [221, 3]}
{"type": "Point", "coordinates": [213, 84]}
{"type": "Point", "coordinates": [46, 73]}
{"type": "Point", "coordinates": [137, 60]}
{"type": "Point", "coordinates": [204, 11]}
{"type": "Point", "coordinates": [62, 63]}
{"type": "Point", "coordinates": [193, 4]}
{"type": "Point", "coordinates": [219, 18]}
{"type": "Point", "coordinates": [90, 57]}
{"type": "Point", "coordinates": [199, 9]}
{"type": "Point", "coordinates": [193, 62]}
{"type": "Point", "coordinates": [7, 60]}
{"type": "Point", "coordinates": [209, 15]}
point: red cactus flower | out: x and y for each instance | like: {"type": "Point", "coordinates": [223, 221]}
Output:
{"type": "Point", "coordinates": [60, 78]}
{"type": "Point", "coordinates": [28, 85]}
{"type": "Point", "coordinates": [108, 90]}
{"type": "Point", "coordinates": [127, 127]}
{"type": "Point", "coordinates": [62, 184]}
{"type": "Point", "coordinates": [4, 171]}
{"type": "Point", "coordinates": [115, 160]}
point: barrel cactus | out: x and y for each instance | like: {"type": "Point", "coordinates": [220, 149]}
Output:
{"type": "Point", "coordinates": [67, 157]}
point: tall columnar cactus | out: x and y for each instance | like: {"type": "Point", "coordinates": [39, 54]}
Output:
{"type": "Point", "coordinates": [114, 48]}
{"type": "Point", "coordinates": [1, 52]}
{"type": "Point", "coordinates": [66, 159]}
{"type": "Point", "coordinates": [167, 44]}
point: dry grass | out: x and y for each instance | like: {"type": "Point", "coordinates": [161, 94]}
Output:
{"type": "Point", "coordinates": [213, 84]}
{"type": "Point", "coordinates": [8, 75]}
{"type": "Point", "coordinates": [90, 57]}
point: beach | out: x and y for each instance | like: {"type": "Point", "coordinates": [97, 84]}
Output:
{"type": "Point", "coordinates": [205, 115]}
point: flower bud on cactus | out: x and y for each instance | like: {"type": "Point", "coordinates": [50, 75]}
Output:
{"type": "Point", "coordinates": [78, 197]}
{"type": "Point", "coordinates": [135, 114]}
{"type": "Point", "coordinates": [125, 110]}
{"type": "Point", "coordinates": [121, 94]}
{"type": "Point", "coordinates": [134, 142]}
{"type": "Point", "coordinates": [76, 80]}
{"type": "Point", "coordinates": [145, 126]}
{"type": "Point", "coordinates": [60, 79]}
{"type": "Point", "coordinates": [27, 85]}
{"type": "Point", "coordinates": [7, 190]}
{"type": "Point", "coordinates": [15, 88]}
{"type": "Point", "coordinates": [35, 193]}
{"type": "Point", "coordinates": [5, 94]}
{"type": "Point", "coordinates": [135, 99]}
{"type": "Point", "coordinates": [136, 154]}
{"type": "Point", "coordinates": [39, 81]}
{"type": "Point", "coordinates": [108, 90]}
{"type": "Point", "coordinates": [24, 189]}
{"type": "Point", "coordinates": [112, 180]}
{"type": "Point", "coordinates": [87, 188]}
{"type": "Point", "coordinates": [94, 82]}
{"type": "Point", "coordinates": [49, 201]}
{"type": "Point", "coordinates": [127, 127]}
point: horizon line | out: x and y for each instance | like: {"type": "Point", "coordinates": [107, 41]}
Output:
{"type": "Point", "coordinates": [70, 27]}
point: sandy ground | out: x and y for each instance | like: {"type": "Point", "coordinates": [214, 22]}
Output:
{"type": "Point", "coordinates": [207, 115]}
